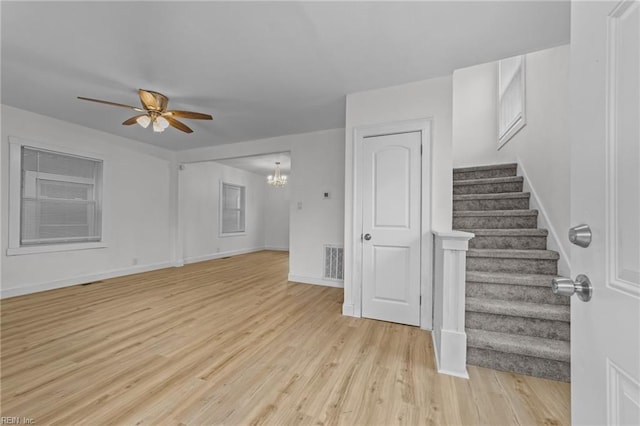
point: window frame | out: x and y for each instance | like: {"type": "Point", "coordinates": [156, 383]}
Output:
{"type": "Point", "coordinates": [221, 209]}
{"type": "Point", "coordinates": [15, 196]}
{"type": "Point", "coordinates": [519, 122]}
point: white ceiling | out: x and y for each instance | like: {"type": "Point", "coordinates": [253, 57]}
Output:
{"type": "Point", "coordinates": [262, 69]}
{"type": "Point", "coordinates": [261, 164]}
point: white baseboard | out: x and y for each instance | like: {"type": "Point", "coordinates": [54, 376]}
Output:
{"type": "Point", "coordinates": [315, 281]}
{"type": "Point", "coordinates": [436, 349]}
{"type": "Point", "coordinates": [553, 242]}
{"type": "Point", "coordinates": [68, 282]}
{"type": "Point", "coordinates": [276, 248]}
{"type": "Point", "coordinates": [454, 347]}
{"type": "Point", "coordinates": [348, 310]}
{"type": "Point", "coordinates": [211, 256]}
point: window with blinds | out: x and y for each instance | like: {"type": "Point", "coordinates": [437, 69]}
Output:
{"type": "Point", "coordinates": [511, 98]}
{"type": "Point", "coordinates": [232, 211]}
{"type": "Point", "coordinates": [60, 198]}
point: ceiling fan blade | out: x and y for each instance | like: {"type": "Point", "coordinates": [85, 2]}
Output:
{"type": "Point", "coordinates": [111, 103]}
{"type": "Point", "coordinates": [132, 120]}
{"type": "Point", "coordinates": [188, 114]}
{"type": "Point", "coordinates": [152, 100]}
{"type": "Point", "coordinates": [178, 125]}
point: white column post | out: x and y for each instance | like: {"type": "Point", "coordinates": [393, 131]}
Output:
{"type": "Point", "coordinates": [449, 337]}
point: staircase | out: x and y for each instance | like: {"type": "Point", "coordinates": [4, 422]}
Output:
{"type": "Point", "coordinates": [513, 320]}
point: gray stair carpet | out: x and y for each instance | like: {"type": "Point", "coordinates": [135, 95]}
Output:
{"type": "Point", "coordinates": [513, 321]}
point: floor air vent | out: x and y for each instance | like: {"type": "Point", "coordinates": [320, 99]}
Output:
{"type": "Point", "coordinates": [333, 262]}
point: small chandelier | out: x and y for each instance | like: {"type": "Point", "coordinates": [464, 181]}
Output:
{"type": "Point", "coordinates": [277, 179]}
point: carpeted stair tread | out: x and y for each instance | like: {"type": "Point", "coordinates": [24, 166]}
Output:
{"type": "Point", "coordinates": [519, 309]}
{"type": "Point", "coordinates": [533, 280]}
{"type": "Point", "coordinates": [508, 238]}
{"type": "Point", "coordinates": [482, 172]}
{"type": "Point", "coordinates": [485, 181]}
{"type": "Point", "coordinates": [514, 254]}
{"type": "Point", "coordinates": [483, 213]}
{"type": "Point", "coordinates": [558, 350]}
{"type": "Point", "coordinates": [483, 168]}
{"type": "Point", "coordinates": [497, 196]}
{"type": "Point", "coordinates": [519, 232]}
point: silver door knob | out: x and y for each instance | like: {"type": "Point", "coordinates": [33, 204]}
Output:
{"type": "Point", "coordinates": [367, 237]}
{"type": "Point", "coordinates": [563, 286]}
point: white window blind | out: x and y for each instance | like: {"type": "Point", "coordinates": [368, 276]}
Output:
{"type": "Point", "coordinates": [511, 98]}
{"type": "Point", "coordinates": [60, 198]}
{"type": "Point", "coordinates": [232, 200]}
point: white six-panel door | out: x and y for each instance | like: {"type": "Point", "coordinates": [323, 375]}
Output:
{"type": "Point", "coordinates": [391, 228]}
{"type": "Point", "coordinates": [605, 194]}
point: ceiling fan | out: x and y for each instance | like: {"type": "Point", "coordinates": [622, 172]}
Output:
{"type": "Point", "coordinates": [154, 109]}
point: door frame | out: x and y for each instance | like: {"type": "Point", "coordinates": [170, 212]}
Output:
{"type": "Point", "coordinates": [424, 126]}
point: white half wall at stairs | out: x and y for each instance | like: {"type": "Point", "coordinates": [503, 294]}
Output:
{"type": "Point", "coordinates": [449, 283]}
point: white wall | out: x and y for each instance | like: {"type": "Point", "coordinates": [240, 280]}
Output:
{"type": "Point", "coordinates": [317, 165]}
{"type": "Point", "coordinates": [541, 148]}
{"type": "Point", "coordinates": [137, 207]}
{"type": "Point", "coordinates": [199, 203]}
{"type": "Point", "coordinates": [475, 121]}
{"type": "Point", "coordinates": [276, 209]}
{"type": "Point", "coordinates": [428, 99]}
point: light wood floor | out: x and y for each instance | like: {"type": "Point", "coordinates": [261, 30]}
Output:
{"type": "Point", "coordinates": [230, 341]}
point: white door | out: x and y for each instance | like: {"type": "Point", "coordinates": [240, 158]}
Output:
{"type": "Point", "coordinates": [605, 194]}
{"type": "Point", "coordinates": [391, 228]}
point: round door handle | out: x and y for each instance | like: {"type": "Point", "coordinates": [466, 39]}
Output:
{"type": "Point", "coordinates": [567, 287]}
{"type": "Point", "coordinates": [367, 237]}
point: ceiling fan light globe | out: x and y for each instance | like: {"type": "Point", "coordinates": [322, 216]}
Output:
{"type": "Point", "coordinates": [162, 122]}
{"type": "Point", "coordinates": [157, 127]}
{"type": "Point", "coordinates": [143, 121]}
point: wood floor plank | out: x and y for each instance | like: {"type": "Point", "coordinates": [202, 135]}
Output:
{"type": "Point", "coordinates": [231, 341]}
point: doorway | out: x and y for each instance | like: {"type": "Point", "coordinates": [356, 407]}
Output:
{"type": "Point", "coordinates": [229, 208]}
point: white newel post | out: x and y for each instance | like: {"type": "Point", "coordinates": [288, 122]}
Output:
{"type": "Point", "coordinates": [449, 338]}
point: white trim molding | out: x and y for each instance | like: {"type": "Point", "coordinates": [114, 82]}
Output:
{"type": "Point", "coordinates": [276, 248]}
{"type": "Point", "coordinates": [83, 279]}
{"type": "Point", "coordinates": [315, 281]}
{"type": "Point", "coordinates": [622, 389]}
{"type": "Point", "coordinates": [449, 337]}
{"type": "Point", "coordinates": [564, 263]}
{"type": "Point", "coordinates": [221, 254]}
